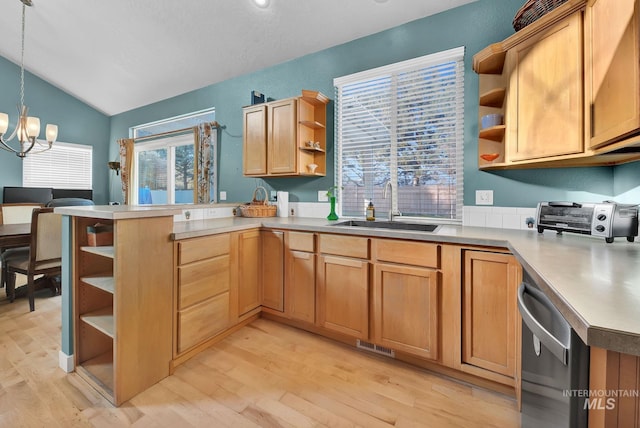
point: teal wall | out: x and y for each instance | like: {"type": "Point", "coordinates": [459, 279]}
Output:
{"type": "Point", "coordinates": [77, 123]}
{"type": "Point", "coordinates": [474, 26]}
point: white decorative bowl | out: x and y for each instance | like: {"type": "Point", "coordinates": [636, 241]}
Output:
{"type": "Point", "coordinates": [312, 168]}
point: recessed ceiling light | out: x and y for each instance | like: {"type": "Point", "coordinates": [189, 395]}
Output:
{"type": "Point", "coordinates": [381, 1]}
{"type": "Point", "coordinates": [261, 3]}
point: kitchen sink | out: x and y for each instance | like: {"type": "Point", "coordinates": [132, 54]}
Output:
{"type": "Point", "coordinates": [397, 225]}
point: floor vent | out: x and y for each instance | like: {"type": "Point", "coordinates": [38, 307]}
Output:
{"type": "Point", "coordinates": [375, 348]}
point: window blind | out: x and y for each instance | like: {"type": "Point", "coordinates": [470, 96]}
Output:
{"type": "Point", "coordinates": [403, 124]}
{"type": "Point", "coordinates": [64, 166]}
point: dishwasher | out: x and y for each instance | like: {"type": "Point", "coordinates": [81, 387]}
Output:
{"type": "Point", "coordinates": [554, 361]}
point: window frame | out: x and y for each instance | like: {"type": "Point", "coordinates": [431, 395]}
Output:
{"type": "Point", "coordinates": [169, 143]}
{"type": "Point", "coordinates": [455, 55]}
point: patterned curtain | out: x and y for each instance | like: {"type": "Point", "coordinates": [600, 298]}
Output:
{"type": "Point", "coordinates": [126, 167]}
{"type": "Point", "coordinates": [206, 137]}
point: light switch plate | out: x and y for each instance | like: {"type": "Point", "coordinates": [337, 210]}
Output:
{"type": "Point", "coordinates": [322, 196]}
{"type": "Point", "coordinates": [223, 195]}
{"type": "Point", "coordinates": [484, 197]}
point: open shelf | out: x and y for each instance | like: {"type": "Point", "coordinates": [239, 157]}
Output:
{"type": "Point", "coordinates": [104, 282]}
{"type": "Point", "coordinates": [99, 371]}
{"type": "Point", "coordinates": [311, 150]}
{"type": "Point", "coordinates": [493, 98]}
{"type": "Point", "coordinates": [106, 251]}
{"type": "Point", "coordinates": [494, 133]}
{"type": "Point", "coordinates": [312, 124]}
{"type": "Point", "coordinates": [101, 320]}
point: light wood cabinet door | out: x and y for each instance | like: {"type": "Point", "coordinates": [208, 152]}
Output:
{"type": "Point", "coordinates": [254, 153]}
{"type": "Point", "coordinates": [544, 114]}
{"type": "Point", "coordinates": [249, 268]}
{"type": "Point", "coordinates": [405, 309]}
{"type": "Point", "coordinates": [612, 46]}
{"type": "Point", "coordinates": [343, 295]}
{"type": "Point", "coordinates": [282, 147]}
{"type": "Point", "coordinates": [273, 269]}
{"type": "Point", "coordinates": [301, 286]}
{"type": "Point", "coordinates": [489, 314]}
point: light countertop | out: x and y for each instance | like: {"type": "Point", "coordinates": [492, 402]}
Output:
{"type": "Point", "coordinates": [595, 285]}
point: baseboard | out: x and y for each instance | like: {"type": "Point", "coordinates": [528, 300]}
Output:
{"type": "Point", "coordinates": [65, 362]}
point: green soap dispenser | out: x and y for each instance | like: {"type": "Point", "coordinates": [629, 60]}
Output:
{"type": "Point", "coordinates": [371, 212]}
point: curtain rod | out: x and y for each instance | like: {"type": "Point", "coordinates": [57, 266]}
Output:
{"type": "Point", "coordinates": [214, 124]}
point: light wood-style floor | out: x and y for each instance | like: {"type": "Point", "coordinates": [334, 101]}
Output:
{"type": "Point", "coordinates": [266, 375]}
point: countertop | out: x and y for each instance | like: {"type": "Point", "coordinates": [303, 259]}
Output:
{"type": "Point", "coordinates": [595, 285]}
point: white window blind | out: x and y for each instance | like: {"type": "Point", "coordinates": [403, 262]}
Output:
{"type": "Point", "coordinates": [402, 123]}
{"type": "Point", "coordinates": [65, 166]}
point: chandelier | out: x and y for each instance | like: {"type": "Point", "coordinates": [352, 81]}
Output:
{"type": "Point", "coordinates": [27, 129]}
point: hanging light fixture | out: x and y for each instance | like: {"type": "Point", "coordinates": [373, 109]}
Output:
{"type": "Point", "coordinates": [27, 129]}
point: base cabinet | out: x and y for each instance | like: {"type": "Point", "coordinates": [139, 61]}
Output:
{"type": "Point", "coordinates": [203, 289]}
{"type": "Point", "coordinates": [249, 268]}
{"type": "Point", "coordinates": [272, 254]}
{"type": "Point", "coordinates": [406, 309]}
{"type": "Point", "coordinates": [490, 315]}
{"type": "Point", "coordinates": [300, 279]}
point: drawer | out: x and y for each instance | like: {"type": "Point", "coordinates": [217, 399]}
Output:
{"type": "Point", "coordinates": [194, 249]}
{"type": "Point", "coordinates": [301, 241]}
{"type": "Point", "coordinates": [200, 280]}
{"type": "Point", "coordinates": [202, 321]}
{"type": "Point", "coordinates": [425, 254]}
{"type": "Point", "coordinates": [340, 245]}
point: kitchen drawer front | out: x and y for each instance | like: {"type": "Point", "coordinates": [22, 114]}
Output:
{"type": "Point", "coordinates": [192, 250]}
{"type": "Point", "coordinates": [202, 321]}
{"type": "Point", "coordinates": [201, 280]}
{"type": "Point", "coordinates": [340, 245]}
{"type": "Point", "coordinates": [301, 241]}
{"type": "Point", "coordinates": [425, 254]}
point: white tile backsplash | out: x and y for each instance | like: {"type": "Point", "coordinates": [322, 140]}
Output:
{"type": "Point", "coordinates": [498, 217]}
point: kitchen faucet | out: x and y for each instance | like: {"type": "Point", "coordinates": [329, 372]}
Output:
{"type": "Point", "coordinates": [388, 185]}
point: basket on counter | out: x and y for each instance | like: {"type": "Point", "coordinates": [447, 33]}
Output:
{"type": "Point", "coordinates": [533, 10]}
{"type": "Point", "coordinates": [258, 207]}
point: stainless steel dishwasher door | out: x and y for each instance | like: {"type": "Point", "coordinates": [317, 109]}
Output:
{"type": "Point", "coordinates": [555, 364]}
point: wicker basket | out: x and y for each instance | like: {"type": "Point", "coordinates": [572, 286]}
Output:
{"type": "Point", "coordinates": [259, 208]}
{"type": "Point", "coordinates": [533, 10]}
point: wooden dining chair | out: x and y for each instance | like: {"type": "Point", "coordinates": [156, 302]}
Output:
{"type": "Point", "coordinates": [44, 256]}
{"type": "Point", "coordinates": [18, 212]}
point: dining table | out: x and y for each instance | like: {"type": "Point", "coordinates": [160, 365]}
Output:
{"type": "Point", "coordinates": [15, 235]}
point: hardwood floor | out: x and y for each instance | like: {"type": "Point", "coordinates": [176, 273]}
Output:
{"type": "Point", "coordinates": [265, 374]}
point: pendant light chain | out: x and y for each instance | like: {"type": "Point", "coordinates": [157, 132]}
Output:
{"type": "Point", "coordinates": [22, 60]}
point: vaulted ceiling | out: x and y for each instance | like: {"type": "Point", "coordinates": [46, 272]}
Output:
{"type": "Point", "coordinates": [117, 55]}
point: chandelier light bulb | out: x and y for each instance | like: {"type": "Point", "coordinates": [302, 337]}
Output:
{"type": "Point", "coordinates": [4, 123]}
{"type": "Point", "coordinates": [261, 3]}
{"type": "Point", "coordinates": [51, 133]}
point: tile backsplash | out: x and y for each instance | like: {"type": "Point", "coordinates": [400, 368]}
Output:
{"type": "Point", "coordinates": [480, 216]}
{"type": "Point", "coordinates": [498, 217]}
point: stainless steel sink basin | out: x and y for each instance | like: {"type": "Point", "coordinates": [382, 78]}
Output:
{"type": "Point", "coordinates": [397, 225]}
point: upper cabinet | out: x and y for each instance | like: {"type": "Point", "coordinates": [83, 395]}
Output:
{"type": "Point", "coordinates": [612, 83]}
{"type": "Point", "coordinates": [286, 137]}
{"type": "Point", "coordinates": [567, 87]}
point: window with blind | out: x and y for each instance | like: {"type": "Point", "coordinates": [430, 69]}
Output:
{"type": "Point", "coordinates": [402, 123]}
{"type": "Point", "coordinates": [64, 166]}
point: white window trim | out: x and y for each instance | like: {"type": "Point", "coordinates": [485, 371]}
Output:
{"type": "Point", "coordinates": [455, 54]}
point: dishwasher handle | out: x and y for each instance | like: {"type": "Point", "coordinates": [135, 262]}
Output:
{"type": "Point", "coordinates": [552, 343]}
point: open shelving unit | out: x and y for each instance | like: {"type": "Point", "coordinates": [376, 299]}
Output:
{"type": "Point", "coordinates": [122, 310]}
{"type": "Point", "coordinates": [312, 121]}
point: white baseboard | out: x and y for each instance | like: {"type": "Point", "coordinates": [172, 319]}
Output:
{"type": "Point", "coordinates": [65, 362]}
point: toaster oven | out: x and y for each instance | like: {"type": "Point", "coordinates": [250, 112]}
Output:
{"type": "Point", "coordinates": [606, 219]}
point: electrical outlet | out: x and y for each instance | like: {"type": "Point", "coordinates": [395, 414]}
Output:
{"type": "Point", "coordinates": [223, 195]}
{"type": "Point", "coordinates": [292, 212]}
{"type": "Point", "coordinates": [484, 197]}
{"type": "Point", "coordinates": [274, 195]}
{"type": "Point", "coordinates": [322, 196]}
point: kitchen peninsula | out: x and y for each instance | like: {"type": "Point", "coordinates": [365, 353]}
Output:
{"type": "Point", "coordinates": [592, 283]}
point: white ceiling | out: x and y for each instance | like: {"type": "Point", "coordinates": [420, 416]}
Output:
{"type": "Point", "coordinates": [116, 55]}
